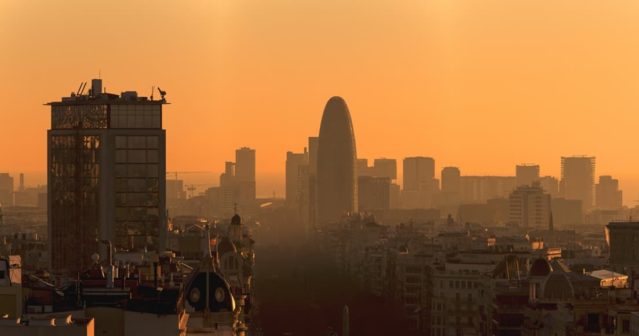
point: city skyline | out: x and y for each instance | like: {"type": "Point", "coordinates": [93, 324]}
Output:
{"type": "Point", "coordinates": [530, 86]}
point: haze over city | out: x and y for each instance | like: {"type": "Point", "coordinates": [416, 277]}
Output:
{"type": "Point", "coordinates": [478, 85]}
{"type": "Point", "coordinates": [319, 168]}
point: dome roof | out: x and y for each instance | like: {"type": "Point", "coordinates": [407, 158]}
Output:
{"type": "Point", "coordinates": [225, 245]}
{"type": "Point", "coordinates": [540, 267]}
{"type": "Point", "coordinates": [220, 296]}
{"type": "Point", "coordinates": [236, 220]}
{"type": "Point", "coordinates": [558, 287]}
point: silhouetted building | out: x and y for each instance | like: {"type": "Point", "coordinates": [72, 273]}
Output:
{"type": "Point", "coordinates": [622, 237]}
{"type": "Point", "coordinates": [384, 167]}
{"type": "Point", "coordinates": [420, 184]}
{"type": "Point", "coordinates": [526, 174]}
{"type": "Point", "coordinates": [175, 193]}
{"type": "Point", "coordinates": [362, 167]}
{"type": "Point", "coordinates": [578, 179]}
{"type": "Point", "coordinates": [566, 213]}
{"type": "Point", "coordinates": [451, 180]}
{"type": "Point", "coordinates": [310, 219]}
{"type": "Point", "coordinates": [550, 185]}
{"type": "Point", "coordinates": [529, 207]}
{"type": "Point", "coordinates": [294, 182]}
{"type": "Point", "coordinates": [419, 173]}
{"type": "Point", "coordinates": [608, 195]}
{"type": "Point", "coordinates": [336, 170]}
{"type": "Point", "coordinates": [479, 189]}
{"type": "Point", "coordinates": [6, 189]}
{"type": "Point", "coordinates": [28, 196]}
{"type": "Point", "coordinates": [245, 176]}
{"type": "Point", "coordinates": [374, 193]}
{"type": "Point", "coordinates": [106, 175]}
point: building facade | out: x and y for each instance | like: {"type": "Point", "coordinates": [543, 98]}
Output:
{"type": "Point", "coordinates": [336, 163]}
{"type": "Point", "coordinates": [106, 175]}
{"type": "Point", "coordinates": [578, 179]}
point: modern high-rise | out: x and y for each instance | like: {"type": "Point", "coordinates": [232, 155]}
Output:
{"type": "Point", "coordinates": [245, 176]}
{"type": "Point", "coordinates": [374, 193]}
{"type": "Point", "coordinates": [550, 184]}
{"type": "Point", "coordinates": [578, 179]}
{"type": "Point", "coordinates": [420, 184]}
{"type": "Point", "coordinates": [311, 217]}
{"type": "Point", "coordinates": [419, 173]}
{"type": "Point", "coordinates": [106, 175]}
{"type": "Point", "coordinates": [526, 174]}
{"type": "Point", "coordinates": [336, 163]}
{"type": "Point", "coordinates": [6, 189]}
{"type": "Point", "coordinates": [529, 207]}
{"type": "Point", "coordinates": [384, 167]}
{"type": "Point", "coordinates": [295, 162]}
{"type": "Point", "coordinates": [608, 195]}
{"type": "Point", "coordinates": [451, 180]}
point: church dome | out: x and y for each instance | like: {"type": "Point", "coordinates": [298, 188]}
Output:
{"type": "Point", "coordinates": [540, 268]}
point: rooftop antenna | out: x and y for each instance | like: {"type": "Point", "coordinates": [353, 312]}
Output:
{"type": "Point", "coordinates": [152, 90]}
{"type": "Point", "coordinates": [81, 88]}
{"type": "Point", "coordinates": [162, 93]}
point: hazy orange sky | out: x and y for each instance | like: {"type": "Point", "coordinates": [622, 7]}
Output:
{"type": "Point", "coordinates": [482, 85]}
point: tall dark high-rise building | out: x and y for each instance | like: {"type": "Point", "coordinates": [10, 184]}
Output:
{"type": "Point", "coordinates": [419, 174]}
{"type": "Point", "coordinates": [106, 175]}
{"type": "Point", "coordinates": [607, 194]}
{"type": "Point", "coordinates": [245, 176]}
{"type": "Point", "coordinates": [526, 174]}
{"type": "Point", "coordinates": [336, 166]}
{"type": "Point", "coordinates": [295, 162]}
{"type": "Point", "coordinates": [6, 189]}
{"type": "Point", "coordinates": [578, 179]}
{"type": "Point", "coordinates": [451, 180]}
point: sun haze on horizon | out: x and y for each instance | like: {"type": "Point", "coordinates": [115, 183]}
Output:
{"type": "Point", "coordinates": [479, 85]}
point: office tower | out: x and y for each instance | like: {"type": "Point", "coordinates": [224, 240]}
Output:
{"type": "Point", "coordinates": [566, 213]}
{"type": "Point", "coordinates": [362, 167]}
{"type": "Point", "coordinates": [175, 193]}
{"type": "Point", "coordinates": [245, 176]}
{"type": "Point", "coordinates": [479, 189]}
{"type": "Point", "coordinates": [294, 162]}
{"type": "Point", "coordinates": [6, 189]}
{"type": "Point", "coordinates": [336, 160]}
{"type": "Point", "coordinates": [228, 191]}
{"type": "Point", "coordinates": [310, 220]}
{"type": "Point", "coordinates": [419, 173]}
{"type": "Point", "coordinates": [374, 193]}
{"type": "Point", "coordinates": [106, 175]}
{"type": "Point", "coordinates": [384, 167]}
{"type": "Point", "coordinates": [529, 207]}
{"type": "Point", "coordinates": [622, 238]}
{"type": "Point", "coordinates": [420, 184]}
{"type": "Point", "coordinates": [395, 196]}
{"type": "Point", "coordinates": [578, 179]}
{"type": "Point", "coordinates": [550, 185]}
{"type": "Point", "coordinates": [526, 174]}
{"type": "Point", "coordinates": [608, 195]}
{"type": "Point", "coordinates": [451, 180]}
{"type": "Point", "coordinates": [21, 188]}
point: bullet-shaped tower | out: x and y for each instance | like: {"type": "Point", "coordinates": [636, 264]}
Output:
{"type": "Point", "coordinates": [336, 163]}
